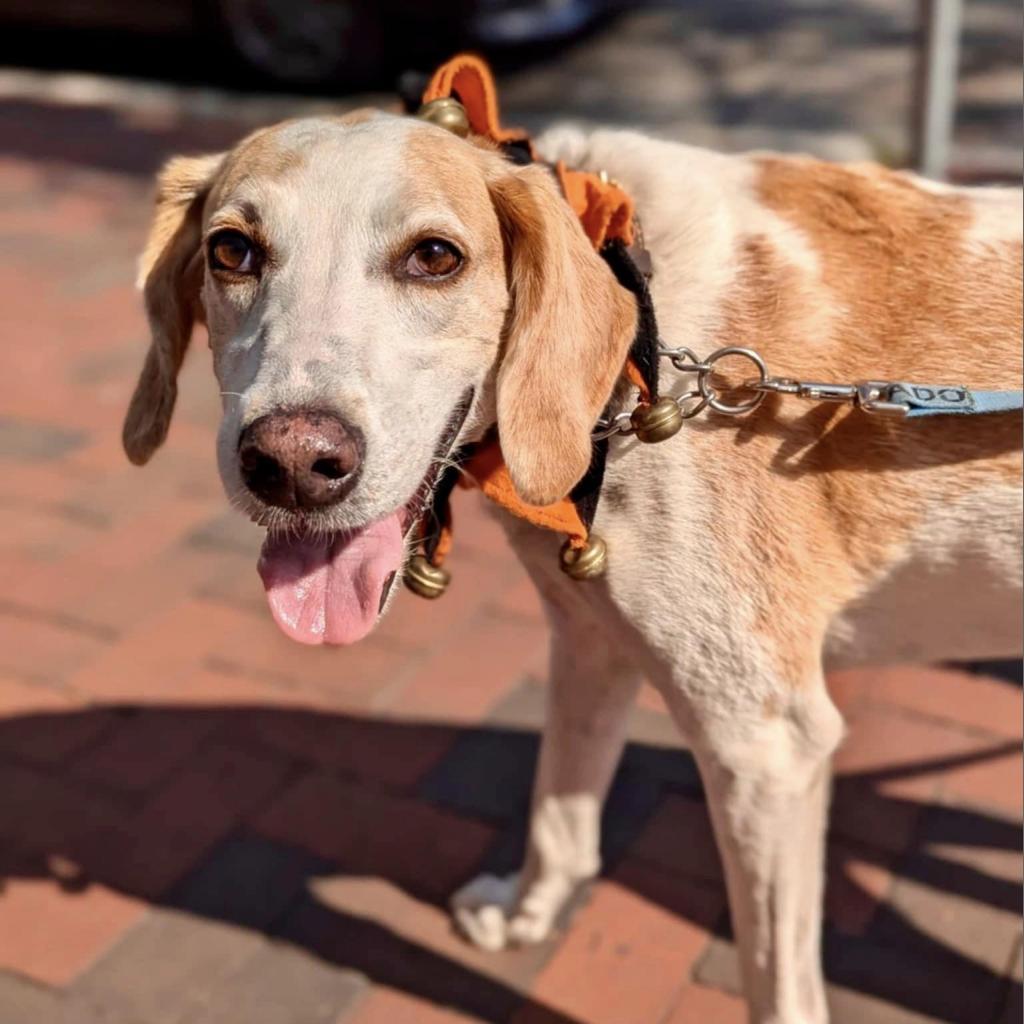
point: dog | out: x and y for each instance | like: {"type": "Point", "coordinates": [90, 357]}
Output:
{"type": "Point", "coordinates": [372, 285]}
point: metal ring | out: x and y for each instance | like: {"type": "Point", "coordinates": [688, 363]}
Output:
{"type": "Point", "coordinates": [694, 367]}
{"type": "Point", "coordinates": [711, 395]}
{"type": "Point", "coordinates": [679, 352]}
{"type": "Point", "coordinates": [695, 410]}
{"type": "Point", "coordinates": [619, 424]}
{"type": "Point", "coordinates": [685, 359]}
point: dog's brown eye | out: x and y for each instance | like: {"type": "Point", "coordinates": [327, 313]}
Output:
{"type": "Point", "coordinates": [433, 257]}
{"type": "Point", "coordinates": [231, 250]}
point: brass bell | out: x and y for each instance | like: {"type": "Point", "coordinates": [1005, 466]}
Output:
{"type": "Point", "coordinates": [448, 113]}
{"type": "Point", "coordinates": [427, 580]}
{"type": "Point", "coordinates": [657, 422]}
{"type": "Point", "coordinates": [586, 563]}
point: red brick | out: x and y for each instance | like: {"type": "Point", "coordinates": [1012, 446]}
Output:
{"type": "Point", "coordinates": [147, 664]}
{"type": "Point", "coordinates": [127, 493]}
{"type": "Point", "coordinates": [38, 648]}
{"type": "Point", "coordinates": [70, 213]}
{"type": "Point", "coordinates": [418, 625]}
{"type": "Point", "coordinates": [427, 927]}
{"type": "Point", "coordinates": [19, 696]}
{"type": "Point", "coordinates": [52, 815]}
{"type": "Point", "coordinates": [859, 812]}
{"type": "Point", "coordinates": [198, 807]}
{"type": "Point", "coordinates": [42, 395]}
{"type": "Point", "coordinates": [478, 534]}
{"type": "Point", "coordinates": [106, 317]}
{"type": "Point", "coordinates": [113, 577]}
{"type": "Point", "coordinates": [700, 1005]}
{"type": "Point", "coordinates": [209, 688]}
{"type": "Point", "coordinates": [32, 484]}
{"type": "Point", "coordinates": [52, 735]}
{"type": "Point", "coordinates": [626, 957]}
{"type": "Point", "coordinates": [197, 649]}
{"type": "Point", "coordinates": [21, 177]}
{"type": "Point", "coordinates": [40, 538]}
{"type": "Point", "coordinates": [388, 1006]}
{"type": "Point", "coordinates": [23, 291]}
{"type": "Point", "coordinates": [848, 689]}
{"type": "Point", "coordinates": [145, 536]}
{"type": "Point", "coordinates": [993, 781]}
{"type": "Point", "coordinates": [140, 750]}
{"type": "Point", "coordinates": [51, 935]}
{"type": "Point", "coordinates": [857, 882]}
{"type": "Point", "coordinates": [901, 755]}
{"type": "Point", "coordinates": [356, 828]}
{"type": "Point", "coordinates": [678, 838]}
{"type": "Point", "coordinates": [519, 598]}
{"type": "Point", "coordinates": [229, 578]}
{"type": "Point", "coordinates": [463, 681]}
{"type": "Point", "coordinates": [959, 697]}
{"type": "Point", "coordinates": [129, 596]}
{"type": "Point", "coordinates": [385, 752]}
{"type": "Point", "coordinates": [701, 904]}
{"type": "Point", "coordinates": [351, 676]}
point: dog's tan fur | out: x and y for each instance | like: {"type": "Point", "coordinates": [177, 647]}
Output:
{"type": "Point", "coordinates": [892, 264]}
{"type": "Point", "coordinates": [566, 312]}
{"type": "Point", "coordinates": [745, 555]}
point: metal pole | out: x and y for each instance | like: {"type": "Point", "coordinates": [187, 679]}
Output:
{"type": "Point", "coordinates": [935, 111]}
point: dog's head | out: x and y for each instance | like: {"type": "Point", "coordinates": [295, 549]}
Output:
{"type": "Point", "coordinates": [376, 290]}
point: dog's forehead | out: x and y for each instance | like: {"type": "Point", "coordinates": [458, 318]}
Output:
{"type": "Point", "coordinates": [363, 164]}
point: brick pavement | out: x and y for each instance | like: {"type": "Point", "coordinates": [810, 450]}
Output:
{"type": "Point", "coordinates": [202, 822]}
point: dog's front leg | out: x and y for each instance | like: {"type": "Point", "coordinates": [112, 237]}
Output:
{"type": "Point", "coordinates": [766, 772]}
{"type": "Point", "coordinates": [589, 699]}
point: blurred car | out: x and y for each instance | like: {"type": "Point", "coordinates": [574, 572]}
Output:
{"type": "Point", "coordinates": [310, 42]}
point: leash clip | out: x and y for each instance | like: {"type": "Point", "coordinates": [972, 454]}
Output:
{"type": "Point", "coordinates": [818, 392]}
{"type": "Point", "coordinates": [876, 396]}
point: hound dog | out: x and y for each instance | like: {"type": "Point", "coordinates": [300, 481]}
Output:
{"type": "Point", "coordinates": [371, 283]}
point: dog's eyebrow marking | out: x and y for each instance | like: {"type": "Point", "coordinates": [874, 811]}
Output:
{"type": "Point", "coordinates": [248, 212]}
{"type": "Point", "coordinates": [241, 214]}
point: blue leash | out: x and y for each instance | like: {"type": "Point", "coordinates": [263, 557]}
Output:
{"type": "Point", "coordinates": [924, 400]}
{"type": "Point", "coordinates": [896, 398]}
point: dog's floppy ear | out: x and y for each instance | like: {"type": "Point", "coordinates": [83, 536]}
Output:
{"type": "Point", "coordinates": [170, 275]}
{"type": "Point", "coordinates": [569, 331]}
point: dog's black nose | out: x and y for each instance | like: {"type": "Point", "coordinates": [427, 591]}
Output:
{"type": "Point", "coordinates": [299, 459]}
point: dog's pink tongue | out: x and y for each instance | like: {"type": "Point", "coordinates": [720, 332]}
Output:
{"type": "Point", "coordinates": [328, 591]}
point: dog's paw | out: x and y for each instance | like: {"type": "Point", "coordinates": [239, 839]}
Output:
{"type": "Point", "coordinates": [493, 913]}
{"type": "Point", "coordinates": [482, 907]}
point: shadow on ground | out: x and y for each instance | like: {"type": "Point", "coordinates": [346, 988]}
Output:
{"type": "Point", "coordinates": [271, 803]}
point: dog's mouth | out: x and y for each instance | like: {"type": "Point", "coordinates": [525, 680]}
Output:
{"type": "Point", "coordinates": [330, 587]}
